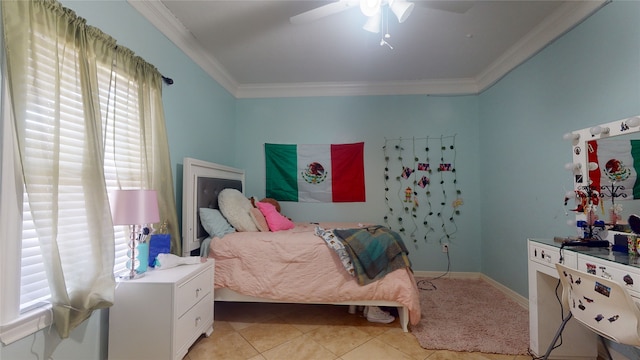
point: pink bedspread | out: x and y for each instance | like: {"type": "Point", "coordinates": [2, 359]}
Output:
{"type": "Point", "coordinates": [297, 266]}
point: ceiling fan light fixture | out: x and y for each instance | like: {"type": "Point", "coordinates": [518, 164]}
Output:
{"type": "Point", "coordinates": [374, 23]}
{"type": "Point", "coordinates": [401, 8]}
{"type": "Point", "coordinates": [370, 7]}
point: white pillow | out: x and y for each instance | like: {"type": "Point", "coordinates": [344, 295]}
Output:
{"type": "Point", "coordinates": [236, 207]}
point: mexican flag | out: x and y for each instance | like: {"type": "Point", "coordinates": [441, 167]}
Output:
{"type": "Point", "coordinates": [618, 167]}
{"type": "Point", "coordinates": [315, 173]}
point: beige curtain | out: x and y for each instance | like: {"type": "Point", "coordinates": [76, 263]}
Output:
{"type": "Point", "coordinates": [80, 274]}
{"type": "Point", "coordinates": [157, 164]}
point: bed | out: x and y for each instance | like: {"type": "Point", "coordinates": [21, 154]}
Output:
{"type": "Point", "coordinates": [251, 266]}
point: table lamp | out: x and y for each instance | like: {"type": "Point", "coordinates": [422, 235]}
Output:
{"type": "Point", "coordinates": [135, 208]}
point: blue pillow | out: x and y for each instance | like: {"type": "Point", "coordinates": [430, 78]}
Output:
{"type": "Point", "coordinates": [215, 223]}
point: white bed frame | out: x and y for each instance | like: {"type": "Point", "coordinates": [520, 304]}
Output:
{"type": "Point", "coordinates": [193, 170]}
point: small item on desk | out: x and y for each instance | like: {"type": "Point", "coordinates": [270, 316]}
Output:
{"type": "Point", "coordinates": [634, 223]}
{"type": "Point", "coordinates": [587, 243]}
{"type": "Point", "coordinates": [560, 239]}
{"type": "Point", "coordinates": [632, 244]}
{"type": "Point", "coordinates": [167, 261]}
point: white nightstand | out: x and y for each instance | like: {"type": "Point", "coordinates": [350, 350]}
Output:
{"type": "Point", "coordinates": [160, 315]}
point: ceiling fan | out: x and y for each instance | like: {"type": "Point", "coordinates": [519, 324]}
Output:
{"type": "Point", "coordinates": [371, 8]}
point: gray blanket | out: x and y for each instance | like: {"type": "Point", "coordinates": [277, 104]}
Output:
{"type": "Point", "coordinates": [375, 251]}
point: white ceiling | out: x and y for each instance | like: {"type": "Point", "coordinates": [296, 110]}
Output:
{"type": "Point", "coordinates": [252, 50]}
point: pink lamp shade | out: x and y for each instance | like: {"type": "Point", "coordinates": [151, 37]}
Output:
{"type": "Point", "coordinates": [134, 207]}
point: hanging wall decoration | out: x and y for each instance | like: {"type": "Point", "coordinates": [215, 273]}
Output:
{"type": "Point", "coordinates": [421, 188]}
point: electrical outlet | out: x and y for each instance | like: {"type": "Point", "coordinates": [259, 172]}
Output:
{"type": "Point", "coordinates": [445, 248]}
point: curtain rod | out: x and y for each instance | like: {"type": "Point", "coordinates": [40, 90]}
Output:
{"type": "Point", "coordinates": [167, 80]}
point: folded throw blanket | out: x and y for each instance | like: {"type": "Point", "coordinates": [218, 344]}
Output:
{"type": "Point", "coordinates": [375, 251]}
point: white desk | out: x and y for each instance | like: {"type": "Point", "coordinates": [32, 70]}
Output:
{"type": "Point", "coordinates": [544, 308]}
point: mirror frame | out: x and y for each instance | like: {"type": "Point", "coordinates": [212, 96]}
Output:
{"type": "Point", "coordinates": [579, 147]}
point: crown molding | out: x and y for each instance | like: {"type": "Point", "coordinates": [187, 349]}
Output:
{"type": "Point", "coordinates": [564, 19]}
{"type": "Point", "coordinates": [568, 16]}
{"type": "Point", "coordinates": [160, 17]}
{"type": "Point", "coordinates": [431, 87]}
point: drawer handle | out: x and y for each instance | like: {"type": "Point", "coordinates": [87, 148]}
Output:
{"type": "Point", "coordinates": [198, 292]}
{"type": "Point", "coordinates": [198, 320]}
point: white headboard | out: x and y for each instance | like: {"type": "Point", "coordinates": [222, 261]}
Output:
{"type": "Point", "coordinates": [201, 183]}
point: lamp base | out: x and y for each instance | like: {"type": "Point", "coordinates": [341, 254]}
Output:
{"type": "Point", "coordinates": [128, 275]}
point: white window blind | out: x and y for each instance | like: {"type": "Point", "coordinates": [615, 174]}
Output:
{"type": "Point", "coordinates": [122, 158]}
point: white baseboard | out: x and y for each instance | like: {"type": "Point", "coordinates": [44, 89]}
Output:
{"type": "Point", "coordinates": [450, 275]}
{"type": "Point", "coordinates": [521, 300]}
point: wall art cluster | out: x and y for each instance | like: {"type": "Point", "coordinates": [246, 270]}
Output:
{"type": "Point", "coordinates": [421, 188]}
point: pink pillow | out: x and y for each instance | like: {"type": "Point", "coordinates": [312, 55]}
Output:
{"type": "Point", "coordinates": [275, 220]}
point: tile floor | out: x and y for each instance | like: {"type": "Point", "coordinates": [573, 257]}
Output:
{"type": "Point", "coordinates": [254, 331]}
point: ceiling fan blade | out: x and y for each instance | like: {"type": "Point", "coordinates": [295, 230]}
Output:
{"type": "Point", "coordinates": [456, 6]}
{"type": "Point", "coordinates": [322, 11]}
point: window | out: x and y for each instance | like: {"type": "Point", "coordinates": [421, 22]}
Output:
{"type": "Point", "coordinates": [123, 154]}
{"type": "Point", "coordinates": [123, 162]}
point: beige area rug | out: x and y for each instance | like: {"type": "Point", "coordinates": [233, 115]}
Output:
{"type": "Point", "coordinates": [470, 315]}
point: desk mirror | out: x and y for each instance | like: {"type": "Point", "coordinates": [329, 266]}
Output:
{"type": "Point", "coordinates": [606, 178]}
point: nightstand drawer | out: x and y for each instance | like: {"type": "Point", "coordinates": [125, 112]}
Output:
{"type": "Point", "coordinates": [193, 323]}
{"type": "Point", "coordinates": [193, 290]}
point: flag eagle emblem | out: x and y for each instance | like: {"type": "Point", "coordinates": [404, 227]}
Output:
{"type": "Point", "coordinates": [314, 173]}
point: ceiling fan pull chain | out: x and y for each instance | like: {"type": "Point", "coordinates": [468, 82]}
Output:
{"type": "Point", "coordinates": [385, 20]}
{"type": "Point", "coordinates": [386, 15]}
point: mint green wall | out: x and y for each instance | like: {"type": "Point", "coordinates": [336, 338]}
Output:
{"type": "Point", "coordinates": [331, 120]}
{"type": "Point", "coordinates": [589, 76]}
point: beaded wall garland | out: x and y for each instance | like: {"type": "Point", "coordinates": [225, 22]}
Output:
{"type": "Point", "coordinates": [421, 187]}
